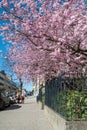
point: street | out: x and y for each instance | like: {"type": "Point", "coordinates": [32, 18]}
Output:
{"type": "Point", "coordinates": [27, 116]}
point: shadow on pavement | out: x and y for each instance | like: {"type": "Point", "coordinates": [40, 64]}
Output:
{"type": "Point", "coordinates": [13, 107]}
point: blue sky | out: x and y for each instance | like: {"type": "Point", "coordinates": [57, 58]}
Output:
{"type": "Point", "coordinates": [3, 52]}
{"type": "Point", "coordinates": [28, 86]}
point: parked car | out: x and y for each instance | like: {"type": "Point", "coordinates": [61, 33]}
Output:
{"type": "Point", "coordinates": [12, 98]}
{"type": "Point", "coordinates": [4, 100]}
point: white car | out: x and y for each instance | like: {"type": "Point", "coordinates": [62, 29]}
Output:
{"type": "Point", "coordinates": [12, 98]}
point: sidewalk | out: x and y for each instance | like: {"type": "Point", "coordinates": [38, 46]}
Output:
{"type": "Point", "coordinates": [27, 116]}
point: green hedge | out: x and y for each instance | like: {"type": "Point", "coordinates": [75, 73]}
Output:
{"type": "Point", "coordinates": [71, 104]}
{"type": "Point", "coordinates": [77, 104]}
{"type": "Point", "coordinates": [68, 97]}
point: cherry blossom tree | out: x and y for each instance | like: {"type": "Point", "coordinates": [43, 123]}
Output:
{"type": "Point", "coordinates": [47, 36]}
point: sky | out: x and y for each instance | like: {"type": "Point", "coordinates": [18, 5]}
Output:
{"type": "Point", "coordinates": [28, 86]}
{"type": "Point", "coordinates": [3, 52]}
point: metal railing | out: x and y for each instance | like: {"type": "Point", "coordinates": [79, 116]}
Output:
{"type": "Point", "coordinates": [67, 95]}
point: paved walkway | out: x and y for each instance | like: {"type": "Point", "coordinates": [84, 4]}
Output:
{"type": "Point", "coordinates": [27, 116]}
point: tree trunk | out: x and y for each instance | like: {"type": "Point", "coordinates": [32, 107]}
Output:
{"type": "Point", "coordinates": [21, 85]}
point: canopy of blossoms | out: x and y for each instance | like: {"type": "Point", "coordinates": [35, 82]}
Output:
{"type": "Point", "coordinates": [47, 36]}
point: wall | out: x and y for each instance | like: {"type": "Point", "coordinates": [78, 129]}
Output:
{"type": "Point", "coordinates": [59, 123]}
{"type": "Point", "coordinates": [56, 120]}
{"type": "Point", "coordinates": [76, 125]}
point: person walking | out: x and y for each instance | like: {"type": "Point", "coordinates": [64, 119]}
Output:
{"type": "Point", "coordinates": [19, 98]}
{"type": "Point", "coordinates": [22, 98]}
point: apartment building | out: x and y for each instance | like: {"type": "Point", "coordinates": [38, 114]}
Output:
{"type": "Point", "coordinates": [6, 83]}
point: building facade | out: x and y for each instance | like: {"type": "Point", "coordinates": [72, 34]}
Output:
{"type": "Point", "coordinates": [6, 83]}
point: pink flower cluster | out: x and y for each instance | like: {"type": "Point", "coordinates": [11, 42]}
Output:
{"type": "Point", "coordinates": [48, 37]}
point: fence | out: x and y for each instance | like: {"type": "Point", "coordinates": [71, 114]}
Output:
{"type": "Point", "coordinates": [67, 95]}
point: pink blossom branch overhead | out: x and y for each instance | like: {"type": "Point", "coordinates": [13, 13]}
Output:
{"type": "Point", "coordinates": [47, 36]}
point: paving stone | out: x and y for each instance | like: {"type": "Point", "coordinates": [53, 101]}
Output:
{"type": "Point", "coordinates": [27, 116]}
